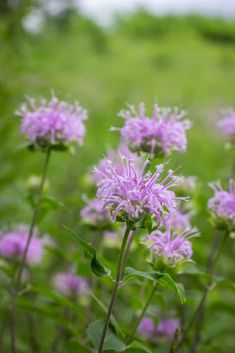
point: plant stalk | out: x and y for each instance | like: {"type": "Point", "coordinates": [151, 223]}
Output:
{"type": "Point", "coordinates": [24, 256]}
{"type": "Point", "coordinates": [131, 336]}
{"type": "Point", "coordinates": [118, 280]}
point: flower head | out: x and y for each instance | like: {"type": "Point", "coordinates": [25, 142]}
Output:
{"type": "Point", "coordinates": [52, 122]}
{"type": "Point", "coordinates": [166, 328]}
{"type": "Point", "coordinates": [95, 214]}
{"type": "Point", "coordinates": [158, 135]}
{"type": "Point", "coordinates": [169, 248]}
{"type": "Point", "coordinates": [13, 243]}
{"type": "Point", "coordinates": [146, 328]}
{"type": "Point", "coordinates": [70, 284]}
{"type": "Point", "coordinates": [179, 220]}
{"type": "Point", "coordinates": [222, 204]}
{"type": "Point", "coordinates": [227, 124]}
{"type": "Point", "coordinates": [131, 195]}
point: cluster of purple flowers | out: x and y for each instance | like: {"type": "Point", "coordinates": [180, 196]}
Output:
{"type": "Point", "coordinates": [227, 124]}
{"type": "Point", "coordinates": [222, 204]}
{"type": "Point", "coordinates": [131, 194]}
{"type": "Point", "coordinates": [165, 329]}
{"type": "Point", "coordinates": [68, 283]}
{"type": "Point", "coordinates": [52, 122]}
{"type": "Point", "coordinates": [13, 243]}
{"type": "Point", "coordinates": [160, 134]}
{"type": "Point", "coordinates": [169, 248]}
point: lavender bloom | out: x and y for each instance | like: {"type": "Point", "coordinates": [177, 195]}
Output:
{"type": "Point", "coordinates": [179, 220]}
{"type": "Point", "coordinates": [114, 156]}
{"type": "Point", "coordinates": [70, 284]}
{"type": "Point", "coordinates": [13, 243]}
{"type": "Point", "coordinates": [227, 124]}
{"type": "Point", "coordinates": [131, 195]}
{"type": "Point", "coordinates": [187, 184]}
{"type": "Point", "coordinates": [147, 328]}
{"type": "Point", "coordinates": [160, 134]}
{"type": "Point", "coordinates": [95, 214]}
{"type": "Point", "coordinates": [170, 248]}
{"type": "Point", "coordinates": [222, 204]}
{"type": "Point", "coordinates": [166, 328]}
{"type": "Point", "coordinates": [52, 122]}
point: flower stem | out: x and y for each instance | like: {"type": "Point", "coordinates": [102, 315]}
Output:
{"type": "Point", "coordinates": [118, 280]}
{"type": "Point", "coordinates": [131, 336]}
{"type": "Point", "coordinates": [199, 313]}
{"type": "Point", "coordinates": [24, 256]}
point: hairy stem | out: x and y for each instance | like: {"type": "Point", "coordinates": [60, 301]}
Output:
{"type": "Point", "coordinates": [120, 269]}
{"type": "Point", "coordinates": [24, 257]}
{"type": "Point", "coordinates": [130, 338]}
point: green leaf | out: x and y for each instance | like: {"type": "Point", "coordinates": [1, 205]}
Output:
{"type": "Point", "coordinates": [164, 279]}
{"type": "Point", "coordinates": [97, 267]}
{"type": "Point", "coordinates": [152, 275]}
{"type": "Point", "coordinates": [4, 279]}
{"type": "Point", "coordinates": [74, 346]}
{"type": "Point", "coordinates": [138, 346]}
{"type": "Point", "coordinates": [112, 342]}
{"type": "Point", "coordinates": [48, 204]}
{"type": "Point", "coordinates": [168, 282]}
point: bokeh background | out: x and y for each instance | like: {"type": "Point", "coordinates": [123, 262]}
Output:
{"type": "Point", "coordinates": [106, 54]}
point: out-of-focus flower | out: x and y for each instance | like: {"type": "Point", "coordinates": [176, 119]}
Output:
{"type": "Point", "coordinates": [158, 135]}
{"type": "Point", "coordinates": [52, 123]}
{"type": "Point", "coordinates": [222, 204]}
{"type": "Point", "coordinates": [13, 243]}
{"type": "Point", "coordinates": [147, 328]}
{"type": "Point", "coordinates": [166, 328]}
{"type": "Point", "coordinates": [227, 124]}
{"type": "Point", "coordinates": [114, 156]}
{"type": "Point", "coordinates": [169, 248]}
{"type": "Point", "coordinates": [179, 221]}
{"type": "Point", "coordinates": [70, 284]}
{"type": "Point", "coordinates": [187, 184]}
{"type": "Point", "coordinates": [95, 214]}
{"type": "Point", "coordinates": [131, 195]}
{"type": "Point", "coordinates": [33, 183]}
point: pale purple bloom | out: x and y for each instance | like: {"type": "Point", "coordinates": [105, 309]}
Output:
{"type": "Point", "coordinates": [52, 122]}
{"type": "Point", "coordinates": [146, 328]}
{"type": "Point", "coordinates": [227, 123]}
{"type": "Point", "coordinates": [160, 134]}
{"type": "Point", "coordinates": [179, 220]}
{"type": "Point", "coordinates": [222, 204]}
{"type": "Point", "coordinates": [187, 184]}
{"type": "Point", "coordinates": [69, 283]}
{"type": "Point", "coordinates": [111, 235]}
{"type": "Point", "coordinates": [166, 328]}
{"type": "Point", "coordinates": [114, 156]}
{"type": "Point", "coordinates": [169, 246]}
{"type": "Point", "coordinates": [131, 195]}
{"type": "Point", "coordinates": [94, 213]}
{"type": "Point", "coordinates": [13, 243]}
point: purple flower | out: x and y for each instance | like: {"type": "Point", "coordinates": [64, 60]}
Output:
{"type": "Point", "coordinates": [227, 124]}
{"type": "Point", "coordinates": [222, 204]}
{"type": "Point", "coordinates": [168, 247]}
{"type": "Point", "coordinates": [70, 284]}
{"type": "Point", "coordinates": [179, 220]}
{"type": "Point", "coordinates": [160, 134]}
{"type": "Point", "coordinates": [95, 214]}
{"type": "Point", "coordinates": [187, 184]}
{"type": "Point", "coordinates": [114, 156]}
{"type": "Point", "coordinates": [13, 243]}
{"type": "Point", "coordinates": [147, 328]}
{"type": "Point", "coordinates": [131, 195]}
{"type": "Point", "coordinates": [52, 122]}
{"type": "Point", "coordinates": [166, 328]}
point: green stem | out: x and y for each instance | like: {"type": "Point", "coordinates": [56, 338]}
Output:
{"type": "Point", "coordinates": [198, 315]}
{"type": "Point", "coordinates": [23, 260]}
{"type": "Point", "coordinates": [117, 283]}
{"type": "Point", "coordinates": [130, 338]}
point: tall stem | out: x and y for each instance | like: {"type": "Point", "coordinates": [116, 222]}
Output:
{"type": "Point", "coordinates": [130, 338]}
{"type": "Point", "coordinates": [199, 313]}
{"type": "Point", "coordinates": [24, 256]}
{"type": "Point", "coordinates": [117, 283]}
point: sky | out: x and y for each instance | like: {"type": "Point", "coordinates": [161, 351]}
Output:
{"type": "Point", "coordinates": [104, 10]}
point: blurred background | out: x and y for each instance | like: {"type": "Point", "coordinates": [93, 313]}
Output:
{"type": "Point", "coordinates": [105, 54]}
